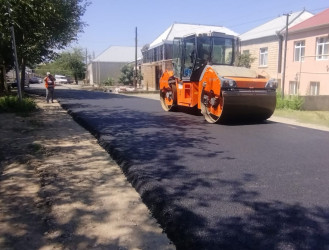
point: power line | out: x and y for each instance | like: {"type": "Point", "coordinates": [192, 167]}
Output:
{"type": "Point", "coordinates": [271, 17]}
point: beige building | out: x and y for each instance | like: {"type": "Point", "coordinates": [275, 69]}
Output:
{"type": "Point", "coordinates": [265, 44]}
{"type": "Point", "coordinates": [158, 56]}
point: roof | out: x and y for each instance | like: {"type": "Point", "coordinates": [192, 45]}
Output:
{"type": "Point", "coordinates": [181, 29]}
{"type": "Point", "coordinates": [318, 20]}
{"type": "Point", "coordinates": [118, 54]}
{"type": "Point", "coordinates": [276, 25]}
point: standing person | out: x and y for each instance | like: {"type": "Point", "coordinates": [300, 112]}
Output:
{"type": "Point", "coordinates": [50, 86]}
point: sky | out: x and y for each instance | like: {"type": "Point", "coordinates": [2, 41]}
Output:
{"type": "Point", "coordinates": [113, 22]}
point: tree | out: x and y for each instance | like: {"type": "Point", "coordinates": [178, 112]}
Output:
{"type": "Point", "coordinates": [127, 75]}
{"type": "Point", "coordinates": [6, 61]}
{"type": "Point", "coordinates": [73, 62]}
{"type": "Point", "coordinates": [41, 28]}
{"type": "Point", "coordinates": [245, 60]}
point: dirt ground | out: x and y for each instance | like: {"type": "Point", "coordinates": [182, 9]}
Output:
{"type": "Point", "coordinates": [60, 190]}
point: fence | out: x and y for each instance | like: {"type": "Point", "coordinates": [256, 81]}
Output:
{"type": "Point", "coordinates": [320, 103]}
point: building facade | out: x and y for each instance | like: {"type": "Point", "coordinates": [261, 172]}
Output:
{"type": "Point", "coordinates": [265, 44]}
{"type": "Point", "coordinates": [307, 69]}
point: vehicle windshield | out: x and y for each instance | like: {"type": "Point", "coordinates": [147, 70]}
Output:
{"type": "Point", "coordinates": [222, 52]}
{"type": "Point", "coordinates": [177, 51]}
{"type": "Point", "coordinates": [203, 51]}
{"type": "Point", "coordinates": [193, 53]}
{"type": "Point", "coordinates": [188, 56]}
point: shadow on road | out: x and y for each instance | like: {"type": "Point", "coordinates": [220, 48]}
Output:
{"type": "Point", "coordinates": [152, 150]}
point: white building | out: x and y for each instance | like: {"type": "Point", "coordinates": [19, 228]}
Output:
{"type": "Point", "coordinates": [109, 63]}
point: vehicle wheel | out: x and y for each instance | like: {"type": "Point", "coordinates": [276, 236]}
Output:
{"type": "Point", "coordinates": [168, 98]}
{"type": "Point", "coordinates": [211, 106]}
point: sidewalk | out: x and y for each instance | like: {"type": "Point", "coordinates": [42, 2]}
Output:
{"type": "Point", "coordinates": [60, 190]}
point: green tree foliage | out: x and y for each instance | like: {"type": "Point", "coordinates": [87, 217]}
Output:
{"type": "Point", "coordinates": [73, 62]}
{"type": "Point", "coordinates": [69, 63]}
{"type": "Point", "coordinates": [52, 67]}
{"type": "Point", "coordinates": [127, 75]}
{"type": "Point", "coordinates": [245, 60]}
{"type": "Point", "coordinates": [109, 82]}
{"type": "Point", "coordinates": [41, 28]}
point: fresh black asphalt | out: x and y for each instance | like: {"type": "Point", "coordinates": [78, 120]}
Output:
{"type": "Point", "coordinates": [210, 186]}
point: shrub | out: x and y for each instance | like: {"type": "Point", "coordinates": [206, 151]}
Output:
{"type": "Point", "coordinates": [13, 104]}
{"type": "Point", "coordinates": [245, 60]}
{"type": "Point", "coordinates": [291, 102]}
{"type": "Point", "coordinates": [109, 82]}
{"type": "Point", "coordinates": [127, 75]}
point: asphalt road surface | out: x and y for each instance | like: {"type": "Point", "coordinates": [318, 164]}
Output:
{"type": "Point", "coordinates": [210, 186]}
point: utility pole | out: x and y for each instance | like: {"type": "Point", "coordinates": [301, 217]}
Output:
{"type": "Point", "coordinates": [285, 55]}
{"type": "Point", "coordinates": [86, 73]}
{"type": "Point", "coordinates": [135, 71]}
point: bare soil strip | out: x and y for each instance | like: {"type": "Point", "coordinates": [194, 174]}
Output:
{"type": "Point", "coordinates": [60, 190]}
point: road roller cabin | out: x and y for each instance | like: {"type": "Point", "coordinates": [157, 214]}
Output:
{"type": "Point", "coordinates": [204, 76]}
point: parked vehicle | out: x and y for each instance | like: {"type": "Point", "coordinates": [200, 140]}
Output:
{"type": "Point", "coordinates": [205, 77]}
{"type": "Point", "coordinates": [35, 79]}
{"type": "Point", "coordinates": [13, 84]}
{"type": "Point", "coordinates": [60, 79]}
{"type": "Point", "coordinates": [69, 80]}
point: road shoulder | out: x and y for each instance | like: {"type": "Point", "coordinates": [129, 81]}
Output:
{"type": "Point", "coordinates": [60, 190]}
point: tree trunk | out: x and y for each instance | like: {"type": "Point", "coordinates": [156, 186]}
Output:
{"type": "Point", "coordinates": [4, 88]}
{"type": "Point", "coordinates": [2, 80]}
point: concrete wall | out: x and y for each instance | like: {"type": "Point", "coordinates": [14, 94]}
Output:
{"type": "Point", "coordinates": [152, 71]}
{"type": "Point", "coordinates": [99, 72]}
{"type": "Point", "coordinates": [148, 73]}
{"type": "Point", "coordinates": [316, 103]}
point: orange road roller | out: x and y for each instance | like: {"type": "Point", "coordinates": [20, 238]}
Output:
{"type": "Point", "coordinates": [204, 76]}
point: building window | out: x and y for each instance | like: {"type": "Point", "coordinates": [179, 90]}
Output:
{"type": "Point", "coordinates": [263, 52]}
{"type": "Point", "coordinates": [314, 88]}
{"type": "Point", "coordinates": [168, 51]}
{"type": "Point", "coordinates": [292, 88]}
{"type": "Point", "coordinates": [299, 51]}
{"type": "Point", "coordinates": [322, 48]}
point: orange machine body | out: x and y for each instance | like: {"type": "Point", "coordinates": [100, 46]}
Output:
{"type": "Point", "coordinates": [221, 92]}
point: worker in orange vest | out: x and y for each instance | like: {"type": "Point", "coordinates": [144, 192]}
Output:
{"type": "Point", "coordinates": [50, 86]}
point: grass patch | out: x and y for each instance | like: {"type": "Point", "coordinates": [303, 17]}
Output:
{"type": "Point", "coordinates": [312, 117]}
{"type": "Point", "coordinates": [14, 105]}
{"type": "Point", "coordinates": [291, 107]}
